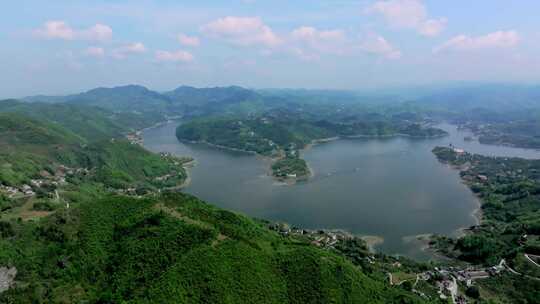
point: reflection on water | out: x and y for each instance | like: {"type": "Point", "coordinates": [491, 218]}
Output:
{"type": "Point", "coordinates": [392, 187]}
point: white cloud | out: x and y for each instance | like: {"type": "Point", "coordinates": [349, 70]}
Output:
{"type": "Point", "coordinates": [98, 32]}
{"type": "Point", "coordinates": [244, 31]}
{"type": "Point", "coordinates": [316, 38]}
{"type": "Point", "coordinates": [375, 44]}
{"type": "Point", "coordinates": [411, 14]}
{"type": "Point", "coordinates": [57, 29]}
{"type": "Point", "coordinates": [432, 27]}
{"type": "Point", "coordinates": [188, 40]}
{"type": "Point", "coordinates": [499, 39]}
{"type": "Point", "coordinates": [176, 56]}
{"type": "Point", "coordinates": [94, 51]}
{"type": "Point", "coordinates": [128, 49]}
{"type": "Point", "coordinates": [308, 42]}
{"type": "Point", "coordinates": [312, 35]}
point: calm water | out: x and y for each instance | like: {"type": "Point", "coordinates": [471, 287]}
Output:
{"type": "Point", "coordinates": [394, 188]}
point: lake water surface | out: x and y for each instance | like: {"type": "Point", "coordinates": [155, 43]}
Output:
{"type": "Point", "coordinates": [394, 188]}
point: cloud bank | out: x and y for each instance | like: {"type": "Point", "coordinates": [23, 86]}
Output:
{"type": "Point", "coordinates": [61, 30]}
{"type": "Point", "coordinates": [408, 14]}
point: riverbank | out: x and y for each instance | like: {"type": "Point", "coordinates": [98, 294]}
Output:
{"type": "Point", "coordinates": [423, 243]}
{"type": "Point", "coordinates": [477, 212]}
{"type": "Point", "coordinates": [393, 136]}
{"type": "Point", "coordinates": [315, 142]}
{"type": "Point", "coordinates": [187, 166]}
{"type": "Point", "coordinates": [203, 142]}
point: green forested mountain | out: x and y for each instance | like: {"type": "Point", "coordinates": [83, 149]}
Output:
{"type": "Point", "coordinates": [131, 99]}
{"type": "Point", "coordinates": [17, 130]}
{"type": "Point", "coordinates": [90, 123]}
{"type": "Point", "coordinates": [218, 101]}
{"type": "Point", "coordinates": [191, 96]}
{"type": "Point", "coordinates": [77, 137]}
{"type": "Point", "coordinates": [175, 249]}
{"type": "Point", "coordinates": [185, 101]}
{"type": "Point", "coordinates": [124, 98]}
{"type": "Point", "coordinates": [28, 146]}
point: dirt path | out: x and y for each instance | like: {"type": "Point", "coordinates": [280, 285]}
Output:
{"type": "Point", "coordinates": [174, 213]}
{"type": "Point", "coordinates": [531, 260]}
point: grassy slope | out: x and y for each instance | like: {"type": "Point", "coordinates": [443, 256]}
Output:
{"type": "Point", "coordinates": [89, 123]}
{"type": "Point", "coordinates": [29, 146]}
{"type": "Point", "coordinates": [176, 249]}
{"type": "Point", "coordinates": [120, 164]}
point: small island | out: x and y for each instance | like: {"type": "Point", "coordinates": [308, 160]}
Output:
{"type": "Point", "coordinates": [291, 167]}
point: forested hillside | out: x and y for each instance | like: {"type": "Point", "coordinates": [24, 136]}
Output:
{"type": "Point", "coordinates": [90, 123]}
{"type": "Point", "coordinates": [174, 249]}
{"type": "Point", "coordinates": [509, 189]}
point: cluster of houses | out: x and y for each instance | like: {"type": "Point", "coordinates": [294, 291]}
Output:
{"type": "Point", "coordinates": [321, 238]}
{"type": "Point", "coordinates": [135, 138]}
{"type": "Point", "coordinates": [45, 179]}
{"type": "Point", "coordinates": [447, 279]}
{"type": "Point", "coordinates": [128, 191]}
{"type": "Point", "coordinates": [177, 161]}
{"type": "Point", "coordinates": [17, 192]}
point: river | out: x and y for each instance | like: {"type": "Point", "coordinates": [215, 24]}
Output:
{"type": "Point", "coordinates": [393, 188]}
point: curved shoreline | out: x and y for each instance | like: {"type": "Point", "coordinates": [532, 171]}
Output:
{"type": "Point", "coordinates": [373, 241]}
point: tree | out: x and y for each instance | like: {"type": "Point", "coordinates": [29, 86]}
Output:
{"type": "Point", "coordinates": [473, 292]}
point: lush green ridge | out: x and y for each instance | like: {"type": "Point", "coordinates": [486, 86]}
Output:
{"type": "Point", "coordinates": [122, 165]}
{"type": "Point", "coordinates": [267, 133]}
{"type": "Point", "coordinates": [146, 104]}
{"type": "Point", "coordinates": [31, 146]}
{"type": "Point", "coordinates": [89, 123]}
{"type": "Point", "coordinates": [175, 249]}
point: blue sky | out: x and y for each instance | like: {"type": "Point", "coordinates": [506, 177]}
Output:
{"type": "Point", "coordinates": [60, 46]}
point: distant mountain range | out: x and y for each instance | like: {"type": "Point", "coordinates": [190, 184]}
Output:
{"type": "Point", "coordinates": [135, 98]}
{"type": "Point", "coordinates": [489, 100]}
{"type": "Point", "coordinates": [493, 97]}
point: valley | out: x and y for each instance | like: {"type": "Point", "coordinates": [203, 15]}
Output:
{"type": "Point", "coordinates": [340, 186]}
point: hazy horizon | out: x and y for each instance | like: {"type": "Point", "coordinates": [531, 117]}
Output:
{"type": "Point", "coordinates": [64, 47]}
